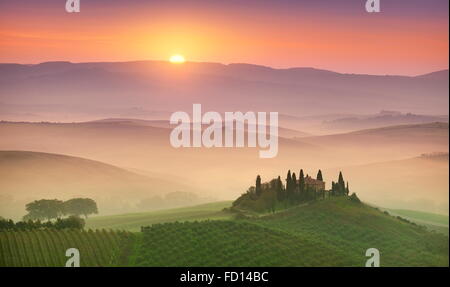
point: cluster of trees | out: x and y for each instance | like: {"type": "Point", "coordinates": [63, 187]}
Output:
{"type": "Point", "coordinates": [339, 187]}
{"type": "Point", "coordinates": [48, 209]}
{"type": "Point", "coordinates": [73, 222]}
{"type": "Point", "coordinates": [269, 195]}
{"type": "Point", "coordinates": [297, 190]}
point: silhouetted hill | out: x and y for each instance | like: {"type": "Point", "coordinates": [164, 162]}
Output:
{"type": "Point", "coordinates": [93, 90]}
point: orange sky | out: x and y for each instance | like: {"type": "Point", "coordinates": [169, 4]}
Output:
{"type": "Point", "coordinates": [277, 34]}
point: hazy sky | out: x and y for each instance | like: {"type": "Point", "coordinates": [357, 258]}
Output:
{"type": "Point", "coordinates": [407, 37]}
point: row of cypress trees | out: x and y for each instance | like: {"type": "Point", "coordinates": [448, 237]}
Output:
{"type": "Point", "coordinates": [296, 190]}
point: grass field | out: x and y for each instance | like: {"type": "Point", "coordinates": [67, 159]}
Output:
{"type": "Point", "coordinates": [436, 222]}
{"type": "Point", "coordinates": [431, 218]}
{"type": "Point", "coordinates": [134, 221]}
{"type": "Point", "coordinates": [47, 248]}
{"type": "Point", "coordinates": [334, 232]}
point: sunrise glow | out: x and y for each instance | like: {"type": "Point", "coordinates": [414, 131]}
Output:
{"type": "Point", "coordinates": [177, 59]}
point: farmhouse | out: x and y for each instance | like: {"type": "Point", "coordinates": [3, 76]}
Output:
{"type": "Point", "coordinates": [317, 185]}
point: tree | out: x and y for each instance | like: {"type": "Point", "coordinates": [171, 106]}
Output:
{"type": "Point", "coordinates": [347, 190]}
{"type": "Point", "coordinates": [293, 187]}
{"type": "Point", "coordinates": [279, 189]}
{"type": "Point", "coordinates": [44, 209]}
{"type": "Point", "coordinates": [288, 183]}
{"type": "Point", "coordinates": [341, 184]}
{"type": "Point", "coordinates": [301, 184]}
{"type": "Point", "coordinates": [72, 221]}
{"type": "Point", "coordinates": [80, 206]}
{"type": "Point", "coordinates": [258, 186]}
{"type": "Point", "coordinates": [269, 200]}
{"type": "Point", "coordinates": [319, 175]}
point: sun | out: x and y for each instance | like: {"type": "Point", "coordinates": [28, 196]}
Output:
{"type": "Point", "coordinates": [177, 59]}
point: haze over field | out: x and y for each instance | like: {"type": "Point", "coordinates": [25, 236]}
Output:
{"type": "Point", "coordinates": [389, 180]}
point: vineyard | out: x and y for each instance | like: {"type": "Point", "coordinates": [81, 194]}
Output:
{"type": "Point", "coordinates": [334, 232]}
{"type": "Point", "coordinates": [227, 243]}
{"type": "Point", "coordinates": [47, 247]}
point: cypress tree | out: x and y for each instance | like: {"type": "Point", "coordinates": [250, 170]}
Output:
{"type": "Point", "coordinates": [258, 189]}
{"type": "Point", "coordinates": [288, 185]}
{"type": "Point", "coordinates": [294, 186]}
{"type": "Point", "coordinates": [288, 181]}
{"type": "Point", "coordinates": [319, 175]}
{"type": "Point", "coordinates": [341, 184]}
{"type": "Point", "coordinates": [301, 183]}
{"type": "Point", "coordinates": [279, 189]}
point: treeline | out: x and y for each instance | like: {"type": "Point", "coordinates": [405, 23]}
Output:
{"type": "Point", "coordinates": [48, 209]}
{"type": "Point", "coordinates": [272, 195]}
{"type": "Point", "coordinates": [72, 222]}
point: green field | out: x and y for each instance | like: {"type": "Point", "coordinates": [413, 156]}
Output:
{"type": "Point", "coordinates": [134, 221]}
{"type": "Point", "coordinates": [47, 248]}
{"type": "Point", "coordinates": [420, 216]}
{"type": "Point", "coordinates": [331, 232]}
{"type": "Point", "coordinates": [334, 232]}
{"type": "Point", "coordinates": [435, 222]}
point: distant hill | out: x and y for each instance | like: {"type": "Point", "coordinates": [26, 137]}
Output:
{"type": "Point", "coordinates": [419, 183]}
{"type": "Point", "coordinates": [415, 134]}
{"type": "Point", "coordinates": [147, 148]}
{"type": "Point", "coordinates": [382, 119]}
{"type": "Point", "coordinates": [28, 176]}
{"type": "Point", "coordinates": [282, 132]}
{"type": "Point", "coordinates": [69, 91]}
{"type": "Point", "coordinates": [334, 232]}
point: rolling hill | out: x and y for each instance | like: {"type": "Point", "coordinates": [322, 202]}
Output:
{"type": "Point", "coordinates": [28, 176]}
{"type": "Point", "coordinates": [64, 90]}
{"type": "Point", "coordinates": [47, 248]}
{"type": "Point", "coordinates": [133, 221]}
{"type": "Point", "coordinates": [334, 232]}
{"type": "Point", "coordinates": [382, 119]}
{"type": "Point", "coordinates": [147, 148]}
{"type": "Point", "coordinates": [419, 183]}
{"type": "Point", "coordinates": [331, 232]}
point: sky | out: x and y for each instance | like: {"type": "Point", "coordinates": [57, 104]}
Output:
{"type": "Point", "coordinates": [405, 38]}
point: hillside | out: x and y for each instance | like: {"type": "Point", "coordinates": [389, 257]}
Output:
{"type": "Point", "coordinates": [382, 119]}
{"type": "Point", "coordinates": [432, 221]}
{"type": "Point", "coordinates": [334, 232]}
{"type": "Point", "coordinates": [28, 176]}
{"type": "Point", "coordinates": [148, 149]}
{"type": "Point", "coordinates": [419, 183]}
{"type": "Point", "coordinates": [47, 248]}
{"type": "Point", "coordinates": [134, 221]}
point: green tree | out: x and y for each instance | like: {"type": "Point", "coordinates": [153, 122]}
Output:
{"type": "Point", "coordinates": [319, 175]}
{"type": "Point", "coordinates": [258, 189]}
{"type": "Point", "coordinates": [269, 200]}
{"type": "Point", "coordinates": [293, 187]}
{"type": "Point", "coordinates": [44, 209]}
{"type": "Point", "coordinates": [301, 184]}
{"type": "Point", "coordinates": [288, 183]}
{"type": "Point", "coordinates": [341, 184]}
{"type": "Point", "coordinates": [279, 189]}
{"type": "Point", "coordinates": [80, 206]}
